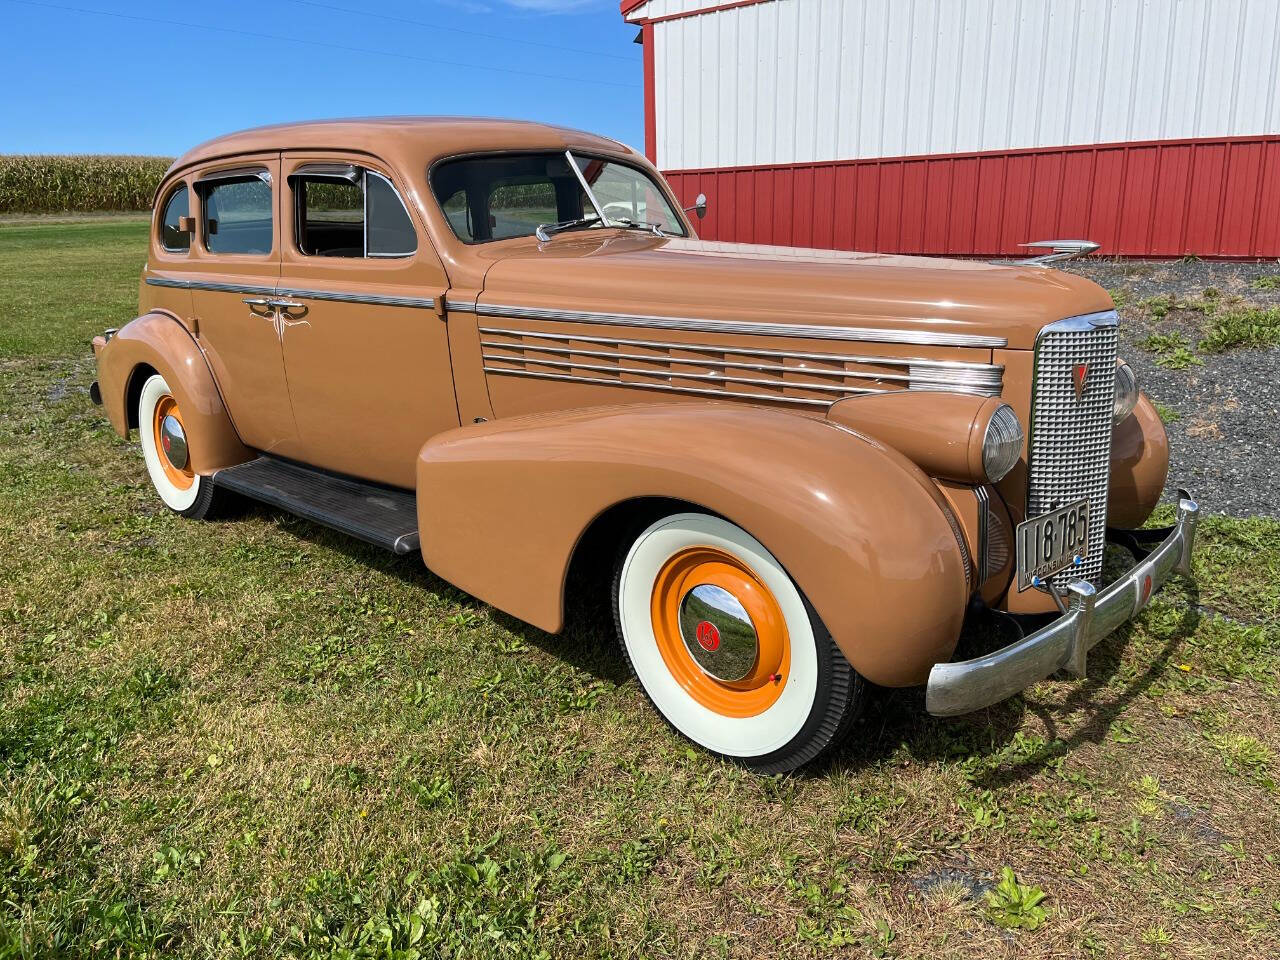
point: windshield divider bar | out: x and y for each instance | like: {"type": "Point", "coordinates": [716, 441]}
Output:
{"type": "Point", "coordinates": [573, 165]}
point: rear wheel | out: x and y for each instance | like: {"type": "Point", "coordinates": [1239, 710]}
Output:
{"type": "Point", "coordinates": [727, 648]}
{"type": "Point", "coordinates": [164, 448]}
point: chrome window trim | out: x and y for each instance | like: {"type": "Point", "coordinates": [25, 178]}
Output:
{"type": "Point", "coordinates": [744, 327]}
{"type": "Point", "coordinates": [336, 296]}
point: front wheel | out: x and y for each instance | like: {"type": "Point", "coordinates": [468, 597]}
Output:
{"type": "Point", "coordinates": [164, 448]}
{"type": "Point", "coordinates": [727, 648]}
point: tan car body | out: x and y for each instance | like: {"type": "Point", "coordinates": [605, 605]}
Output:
{"type": "Point", "coordinates": [438, 372]}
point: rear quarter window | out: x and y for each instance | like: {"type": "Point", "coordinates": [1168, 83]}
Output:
{"type": "Point", "coordinates": [177, 206]}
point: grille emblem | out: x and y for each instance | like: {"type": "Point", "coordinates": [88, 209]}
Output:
{"type": "Point", "coordinates": [1079, 373]}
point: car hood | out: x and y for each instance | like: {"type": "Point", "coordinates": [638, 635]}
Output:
{"type": "Point", "coordinates": [634, 274]}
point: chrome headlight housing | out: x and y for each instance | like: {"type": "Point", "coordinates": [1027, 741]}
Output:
{"type": "Point", "coordinates": [1002, 443]}
{"type": "Point", "coordinates": [1126, 392]}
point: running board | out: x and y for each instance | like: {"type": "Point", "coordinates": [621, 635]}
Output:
{"type": "Point", "coordinates": [383, 516]}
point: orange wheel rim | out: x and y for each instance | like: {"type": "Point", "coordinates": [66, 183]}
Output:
{"type": "Point", "coordinates": [181, 477]}
{"type": "Point", "coordinates": [743, 691]}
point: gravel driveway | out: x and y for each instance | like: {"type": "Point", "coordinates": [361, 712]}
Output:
{"type": "Point", "coordinates": [1223, 415]}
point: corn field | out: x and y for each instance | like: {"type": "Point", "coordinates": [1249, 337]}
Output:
{"type": "Point", "coordinates": [32, 183]}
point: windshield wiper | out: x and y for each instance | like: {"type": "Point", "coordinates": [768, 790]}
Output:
{"type": "Point", "coordinates": [546, 230]}
{"type": "Point", "coordinates": [654, 228]}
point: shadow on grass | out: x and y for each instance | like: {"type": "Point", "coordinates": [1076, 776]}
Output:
{"type": "Point", "coordinates": [892, 720]}
{"type": "Point", "coordinates": [896, 719]}
{"type": "Point", "coordinates": [587, 642]}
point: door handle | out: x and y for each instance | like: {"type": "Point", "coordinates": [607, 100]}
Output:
{"type": "Point", "coordinates": [285, 304]}
{"type": "Point", "coordinates": [257, 301]}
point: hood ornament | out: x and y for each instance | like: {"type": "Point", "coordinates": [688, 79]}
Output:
{"type": "Point", "coordinates": [1059, 250]}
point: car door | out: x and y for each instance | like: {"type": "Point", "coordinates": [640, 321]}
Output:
{"type": "Point", "coordinates": [233, 271]}
{"type": "Point", "coordinates": [365, 345]}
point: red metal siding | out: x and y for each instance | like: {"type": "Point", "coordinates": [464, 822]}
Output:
{"type": "Point", "coordinates": [1207, 198]}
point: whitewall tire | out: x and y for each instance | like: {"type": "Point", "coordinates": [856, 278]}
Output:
{"type": "Point", "coordinates": [164, 450]}
{"type": "Point", "coordinates": [726, 646]}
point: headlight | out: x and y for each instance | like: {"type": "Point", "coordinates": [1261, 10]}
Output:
{"type": "Point", "coordinates": [1126, 392]}
{"type": "Point", "coordinates": [1002, 443]}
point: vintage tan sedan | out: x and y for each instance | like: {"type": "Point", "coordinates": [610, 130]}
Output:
{"type": "Point", "coordinates": [495, 342]}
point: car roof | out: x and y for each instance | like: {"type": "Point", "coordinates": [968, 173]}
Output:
{"type": "Point", "coordinates": [415, 141]}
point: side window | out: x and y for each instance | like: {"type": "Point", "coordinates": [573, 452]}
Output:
{"type": "Point", "coordinates": [346, 211]}
{"type": "Point", "coordinates": [330, 216]}
{"type": "Point", "coordinates": [172, 237]}
{"type": "Point", "coordinates": [237, 215]}
{"type": "Point", "coordinates": [459, 215]}
{"type": "Point", "coordinates": [516, 209]}
{"type": "Point", "coordinates": [389, 228]}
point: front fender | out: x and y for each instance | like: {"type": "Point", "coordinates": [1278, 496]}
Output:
{"type": "Point", "coordinates": [862, 531]}
{"type": "Point", "coordinates": [1139, 466]}
{"type": "Point", "coordinates": [158, 341]}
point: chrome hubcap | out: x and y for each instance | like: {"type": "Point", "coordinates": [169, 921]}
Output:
{"type": "Point", "coordinates": [718, 632]}
{"type": "Point", "coordinates": [174, 441]}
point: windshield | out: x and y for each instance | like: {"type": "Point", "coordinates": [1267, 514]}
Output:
{"type": "Point", "coordinates": [512, 195]}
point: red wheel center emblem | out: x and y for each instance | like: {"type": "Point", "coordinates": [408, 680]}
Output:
{"type": "Point", "coordinates": [166, 442]}
{"type": "Point", "coordinates": [708, 636]}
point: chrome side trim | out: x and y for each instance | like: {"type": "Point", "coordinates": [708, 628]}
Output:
{"type": "Point", "coordinates": [460, 306]}
{"type": "Point", "coordinates": [721, 394]}
{"type": "Point", "coordinates": [678, 375]}
{"type": "Point", "coordinates": [426, 303]}
{"type": "Point", "coordinates": [958, 365]}
{"type": "Point", "coordinates": [933, 382]}
{"type": "Point", "coordinates": [956, 688]}
{"type": "Point", "coordinates": [560, 351]}
{"type": "Point", "coordinates": [984, 519]}
{"type": "Point", "coordinates": [744, 327]}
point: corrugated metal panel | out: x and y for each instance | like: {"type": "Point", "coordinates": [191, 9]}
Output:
{"type": "Point", "coordinates": [1206, 198]}
{"type": "Point", "coordinates": [798, 81]}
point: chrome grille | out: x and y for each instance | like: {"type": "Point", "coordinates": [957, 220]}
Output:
{"type": "Point", "coordinates": [1070, 446]}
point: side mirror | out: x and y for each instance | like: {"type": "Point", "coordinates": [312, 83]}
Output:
{"type": "Point", "coordinates": [699, 206]}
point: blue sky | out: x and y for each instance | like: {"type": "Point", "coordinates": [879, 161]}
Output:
{"type": "Point", "coordinates": [155, 77]}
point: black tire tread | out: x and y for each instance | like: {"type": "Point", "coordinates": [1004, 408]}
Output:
{"type": "Point", "coordinates": [840, 697]}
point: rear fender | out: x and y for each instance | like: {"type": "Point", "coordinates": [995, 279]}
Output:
{"type": "Point", "coordinates": [158, 341]}
{"type": "Point", "coordinates": [863, 532]}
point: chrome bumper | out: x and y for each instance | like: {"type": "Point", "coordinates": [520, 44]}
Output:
{"type": "Point", "coordinates": [956, 688]}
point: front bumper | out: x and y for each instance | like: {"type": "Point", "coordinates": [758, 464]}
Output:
{"type": "Point", "coordinates": [956, 688]}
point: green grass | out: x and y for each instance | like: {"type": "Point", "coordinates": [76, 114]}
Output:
{"type": "Point", "coordinates": [61, 285]}
{"type": "Point", "coordinates": [254, 737]}
{"type": "Point", "coordinates": [1243, 327]}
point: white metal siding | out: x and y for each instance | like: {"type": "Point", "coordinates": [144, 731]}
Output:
{"type": "Point", "coordinates": [794, 81]}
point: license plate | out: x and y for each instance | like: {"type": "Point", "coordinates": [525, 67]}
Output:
{"type": "Point", "coordinates": [1051, 542]}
